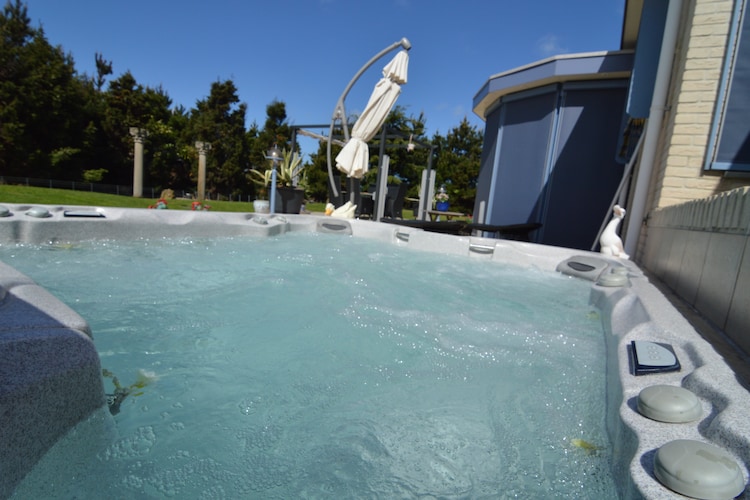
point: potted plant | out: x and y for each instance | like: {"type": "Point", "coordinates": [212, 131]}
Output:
{"type": "Point", "coordinates": [261, 204]}
{"type": "Point", "coordinates": [290, 168]}
{"type": "Point", "coordinates": [289, 196]}
{"type": "Point", "coordinates": [441, 200]}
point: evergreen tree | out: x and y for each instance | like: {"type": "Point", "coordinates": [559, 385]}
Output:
{"type": "Point", "coordinates": [130, 105]}
{"type": "Point", "coordinates": [173, 161]}
{"type": "Point", "coordinates": [275, 131]}
{"type": "Point", "coordinates": [316, 171]}
{"type": "Point", "coordinates": [42, 101]}
{"type": "Point", "coordinates": [55, 123]}
{"type": "Point", "coordinates": [103, 69]}
{"type": "Point", "coordinates": [167, 157]}
{"type": "Point", "coordinates": [405, 166]}
{"type": "Point", "coordinates": [458, 160]}
{"type": "Point", "coordinates": [220, 121]}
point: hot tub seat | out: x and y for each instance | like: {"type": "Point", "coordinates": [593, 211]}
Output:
{"type": "Point", "coordinates": [40, 401]}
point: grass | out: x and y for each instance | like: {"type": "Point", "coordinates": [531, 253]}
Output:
{"type": "Point", "coordinates": [50, 196]}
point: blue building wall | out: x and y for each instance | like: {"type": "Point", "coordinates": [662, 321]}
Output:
{"type": "Point", "coordinates": [550, 151]}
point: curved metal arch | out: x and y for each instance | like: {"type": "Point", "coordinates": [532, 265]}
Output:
{"type": "Point", "coordinates": [339, 112]}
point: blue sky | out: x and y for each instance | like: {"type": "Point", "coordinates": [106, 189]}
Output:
{"type": "Point", "coordinates": [304, 52]}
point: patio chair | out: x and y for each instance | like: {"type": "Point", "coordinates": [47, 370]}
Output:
{"type": "Point", "coordinates": [336, 198]}
{"type": "Point", "coordinates": [394, 200]}
{"type": "Point", "coordinates": [367, 205]}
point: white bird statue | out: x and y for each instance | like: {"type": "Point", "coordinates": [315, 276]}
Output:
{"type": "Point", "coordinates": [609, 242]}
{"type": "Point", "coordinates": [345, 211]}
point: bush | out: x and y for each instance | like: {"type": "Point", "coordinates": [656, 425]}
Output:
{"type": "Point", "coordinates": [94, 175]}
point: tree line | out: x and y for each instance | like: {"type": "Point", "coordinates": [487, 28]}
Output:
{"type": "Point", "coordinates": [57, 123]}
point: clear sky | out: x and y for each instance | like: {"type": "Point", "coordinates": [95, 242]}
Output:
{"type": "Point", "coordinates": [304, 52]}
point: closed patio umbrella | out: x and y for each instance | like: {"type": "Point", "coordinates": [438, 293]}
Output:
{"type": "Point", "coordinates": [354, 157]}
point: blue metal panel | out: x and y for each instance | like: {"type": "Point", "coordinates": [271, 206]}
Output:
{"type": "Point", "coordinates": [485, 179]}
{"type": "Point", "coordinates": [520, 169]}
{"type": "Point", "coordinates": [540, 211]}
{"type": "Point", "coordinates": [499, 118]}
{"type": "Point", "coordinates": [584, 174]}
{"type": "Point", "coordinates": [647, 52]}
{"type": "Point", "coordinates": [549, 151]}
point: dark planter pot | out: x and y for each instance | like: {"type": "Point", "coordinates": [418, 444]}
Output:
{"type": "Point", "coordinates": [289, 200]}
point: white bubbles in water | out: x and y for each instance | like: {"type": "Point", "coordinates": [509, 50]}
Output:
{"type": "Point", "coordinates": [249, 405]}
{"type": "Point", "coordinates": [139, 444]}
{"type": "Point", "coordinates": [343, 371]}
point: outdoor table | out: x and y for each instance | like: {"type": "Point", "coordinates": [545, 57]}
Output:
{"type": "Point", "coordinates": [436, 214]}
{"type": "Point", "coordinates": [520, 232]}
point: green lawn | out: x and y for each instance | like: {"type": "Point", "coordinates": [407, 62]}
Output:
{"type": "Point", "coordinates": [49, 196]}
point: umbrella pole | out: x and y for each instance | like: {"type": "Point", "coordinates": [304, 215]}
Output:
{"type": "Point", "coordinates": [382, 187]}
{"type": "Point", "coordinates": [339, 112]}
{"type": "Point", "coordinates": [331, 180]}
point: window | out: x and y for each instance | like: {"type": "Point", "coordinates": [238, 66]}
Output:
{"type": "Point", "coordinates": [729, 142]}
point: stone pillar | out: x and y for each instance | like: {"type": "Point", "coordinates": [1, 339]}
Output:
{"type": "Point", "coordinates": [139, 136]}
{"type": "Point", "coordinates": [203, 148]}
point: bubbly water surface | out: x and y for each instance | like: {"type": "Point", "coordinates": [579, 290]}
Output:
{"type": "Point", "coordinates": [322, 366]}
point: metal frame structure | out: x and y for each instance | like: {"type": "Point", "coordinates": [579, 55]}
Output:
{"type": "Point", "coordinates": [339, 112]}
{"type": "Point", "coordinates": [383, 137]}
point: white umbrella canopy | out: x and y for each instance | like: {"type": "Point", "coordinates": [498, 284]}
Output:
{"type": "Point", "coordinates": [354, 157]}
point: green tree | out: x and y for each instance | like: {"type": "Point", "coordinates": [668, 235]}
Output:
{"type": "Point", "coordinates": [220, 120]}
{"type": "Point", "coordinates": [59, 124]}
{"type": "Point", "coordinates": [95, 175]}
{"type": "Point", "coordinates": [173, 160]}
{"type": "Point", "coordinates": [166, 159]}
{"type": "Point", "coordinates": [42, 101]}
{"type": "Point", "coordinates": [103, 69]}
{"type": "Point", "coordinates": [458, 160]}
{"type": "Point", "coordinates": [95, 150]}
{"type": "Point", "coordinates": [405, 166]}
{"type": "Point", "coordinates": [316, 171]}
{"type": "Point", "coordinates": [275, 131]}
{"type": "Point", "coordinates": [129, 104]}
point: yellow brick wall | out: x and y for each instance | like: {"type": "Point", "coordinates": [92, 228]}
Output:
{"type": "Point", "coordinates": [678, 174]}
{"type": "Point", "coordinates": [672, 245]}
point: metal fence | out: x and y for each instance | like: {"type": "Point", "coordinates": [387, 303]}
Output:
{"type": "Point", "coordinates": [76, 186]}
{"type": "Point", "coordinates": [148, 192]}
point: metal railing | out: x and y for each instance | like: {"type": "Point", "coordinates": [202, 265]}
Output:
{"type": "Point", "coordinates": [148, 192]}
{"type": "Point", "coordinates": [75, 185]}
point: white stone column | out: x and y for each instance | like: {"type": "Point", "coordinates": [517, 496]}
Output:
{"type": "Point", "coordinates": [203, 148]}
{"type": "Point", "coordinates": [139, 136]}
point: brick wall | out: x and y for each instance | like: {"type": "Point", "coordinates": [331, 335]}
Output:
{"type": "Point", "coordinates": [678, 175]}
{"type": "Point", "coordinates": [697, 67]}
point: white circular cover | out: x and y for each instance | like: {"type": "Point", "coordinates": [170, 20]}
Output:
{"type": "Point", "coordinates": [669, 403]}
{"type": "Point", "coordinates": [698, 470]}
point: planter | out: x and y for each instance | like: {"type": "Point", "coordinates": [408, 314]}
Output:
{"type": "Point", "coordinates": [289, 200]}
{"type": "Point", "coordinates": [442, 206]}
{"type": "Point", "coordinates": [262, 206]}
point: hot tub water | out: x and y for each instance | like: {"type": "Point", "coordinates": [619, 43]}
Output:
{"type": "Point", "coordinates": [320, 366]}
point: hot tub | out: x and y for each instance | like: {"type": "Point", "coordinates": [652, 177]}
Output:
{"type": "Point", "coordinates": [66, 374]}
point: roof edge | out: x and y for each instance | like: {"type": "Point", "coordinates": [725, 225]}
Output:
{"type": "Point", "coordinates": [601, 65]}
